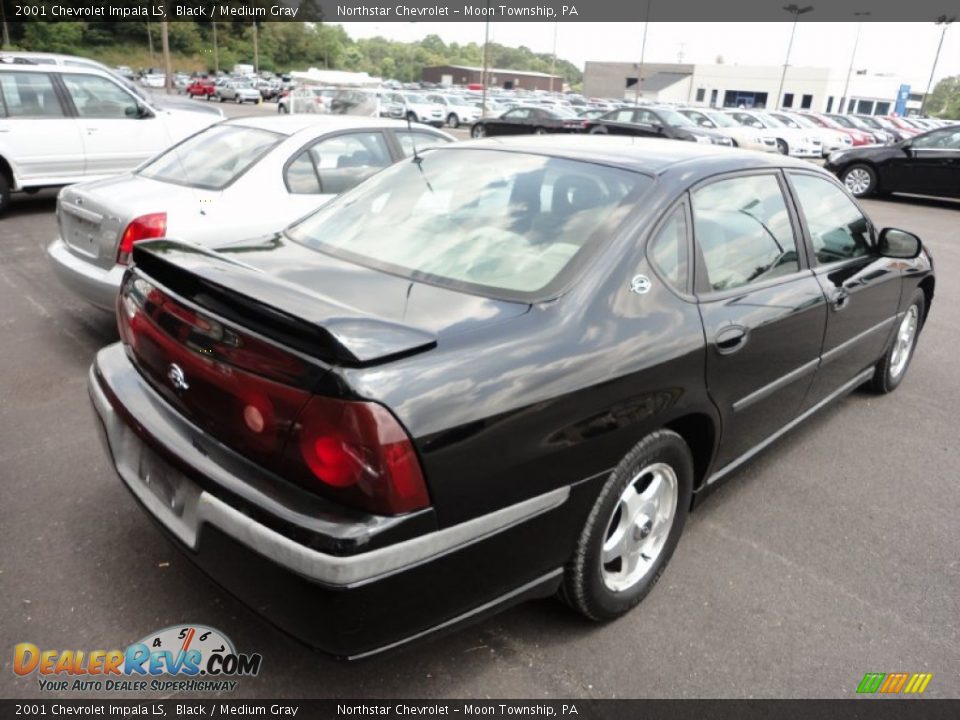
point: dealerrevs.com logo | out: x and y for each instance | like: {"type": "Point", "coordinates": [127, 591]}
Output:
{"type": "Point", "coordinates": [179, 658]}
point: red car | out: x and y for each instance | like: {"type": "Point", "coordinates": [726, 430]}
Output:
{"type": "Point", "coordinates": [859, 137]}
{"type": "Point", "coordinates": [902, 125]}
{"type": "Point", "coordinates": [200, 88]}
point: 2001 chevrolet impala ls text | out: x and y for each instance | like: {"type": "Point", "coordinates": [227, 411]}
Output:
{"type": "Point", "coordinates": [501, 370]}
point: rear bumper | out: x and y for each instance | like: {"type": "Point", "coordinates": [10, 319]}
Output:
{"type": "Point", "coordinates": [96, 285]}
{"type": "Point", "coordinates": [346, 583]}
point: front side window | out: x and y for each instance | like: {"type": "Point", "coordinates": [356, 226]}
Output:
{"type": "Point", "coordinates": [97, 97]}
{"type": "Point", "coordinates": [499, 223]}
{"type": "Point", "coordinates": [517, 114]}
{"type": "Point", "coordinates": [838, 230]}
{"type": "Point", "coordinates": [744, 232]}
{"type": "Point", "coordinates": [947, 139]}
{"type": "Point", "coordinates": [213, 158]}
{"type": "Point", "coordinates": [29, 95]}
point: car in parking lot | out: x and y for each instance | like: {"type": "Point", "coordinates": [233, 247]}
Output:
{"type": "Point", "coordinates": [201, 87]}
{"type": "Point", "coordinates": [528, 120]}
{"type": "Point", "coordinates": [415, 107]}
{"type": "Point", "coordinates": [830, 139]}
{"type": "Point", "coordinates": [64, 124]}
{"type": "Point", "coordinates": [238, 91]}
{"type": "Point", "coordinates": [507, 369]}
{"type": "Point", "coordinates": [241, 176]}
{"type": "Point", "coordinates": [655, 122]}
{"type": "Point", "coordinates": [459, 110]}
{"type": "Point", "coordinates": [928, 164]}
{"type": "Point", "coordinates": [794, 141]}
{"type": "Point", "coordinates": [744, 137]}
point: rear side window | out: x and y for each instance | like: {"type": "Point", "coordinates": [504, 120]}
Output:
{"type": "Point", "coordinates": [422, 140]}
{"type": "Point", "coordinates": [29, 95]}
{"type": "Point", "coordinates": [838, 230]}
{"type": "Point", "coordinates": [345, 161]}
{"type": "Point", "coordinates": [744, 232]}
{"type": "Point", "coordinates": [667, 251]}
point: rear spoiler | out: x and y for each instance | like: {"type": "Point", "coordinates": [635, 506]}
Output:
{"type": "Point", "coordinates": [289, 314]}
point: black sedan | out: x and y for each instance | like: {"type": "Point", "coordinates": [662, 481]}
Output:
{"type": "Point", "coordinates": [654, 122]}
{"type": "Point", "coordinates": [528, 120]}
{"type": "Point", "coordinates": [503, 370]}
{"type": "Point", "coordinates": [927, 164]}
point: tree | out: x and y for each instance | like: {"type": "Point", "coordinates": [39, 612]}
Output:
{"type": "Point", "coordinates": [944, 101]}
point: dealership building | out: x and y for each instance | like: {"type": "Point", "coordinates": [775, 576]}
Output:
{"type": "Point", "coordinates": [804, 88]}
{"type": "Point", "coordinates": [496, 77]}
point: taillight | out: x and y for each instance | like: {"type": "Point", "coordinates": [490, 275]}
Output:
{"type": "Point", "coordinates": [144, 227]}
{"type": "Point", "coordinates": [360, 455]}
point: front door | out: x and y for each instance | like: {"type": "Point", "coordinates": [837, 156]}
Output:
{"type": "Point", "coordinates": [932, 165]}
{"type": "Point", "coordinates": [763, 311]}
{"type": "Point", "coordinates": [862, 288]}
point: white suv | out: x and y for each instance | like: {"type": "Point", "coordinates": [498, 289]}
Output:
{"type": "Point", "coordinates": [458, 109]}
{"type": "Point", "coordinates": [60, 125]}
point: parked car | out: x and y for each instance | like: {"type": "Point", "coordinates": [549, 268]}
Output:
{"type": "Point", "coordinates": [928, 164]}
{"type": "Point", "coordinates": [528, 120]}
{"type": "Point", "coordinates": [239, 91]}
{"type": "Point", "coordinates": [416, 108]}
{"type": "Point", "coordinates": [497, 373]}
{"type": "Point", "coordinates": [748, 138]}
{"type": "Point", "coordinates": [201, 87]}
{"type": "Point", "coordinates": [60, 125]}
{"type": "Point", "coordinates": [153, 80]}
{"type": "Point", "coordinates": [307, 99]}
{"type": "Point", "coordinates": [241, 176]}
{"type": "Point", "coordinates": [649, 121]}
{"type": "Point", "coordinates": [903, 125]}
{"type": "Point", "coordinates": [857, 137]}
{"type": "Point", "coordinates": [796, 142]}
{"type": "Point", "coordinates": [830, 140]}
{"type": "Point", "coordinates": [459, 110]}
{"type": "Point", "coordinates": [879, 123]}
{"type": "Point", "coordinates": [877, 135]}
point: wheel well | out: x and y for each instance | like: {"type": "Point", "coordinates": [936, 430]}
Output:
{"type": "Point", "coordinates": [7, 172]}
{"type": "Point", "coordinates": [698, 432]}
{"type": "Point", "coordinates": [927, 285]}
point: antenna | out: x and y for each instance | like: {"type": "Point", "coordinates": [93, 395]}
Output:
{"type": "Point", "coordinates": [413, 143]}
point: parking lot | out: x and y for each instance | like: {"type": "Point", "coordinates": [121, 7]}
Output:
{"type": "Point", "coordinates": [830, 556]}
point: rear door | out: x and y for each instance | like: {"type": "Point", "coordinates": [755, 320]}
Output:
{"type": "Point", "coordinates": [115, 137]}
{"type": "Point", "coordinates": [37, 134]}
{"type": "Point", "coordinates": [862, 288]}
{"type": "Point", "coordinates": [763, 310]}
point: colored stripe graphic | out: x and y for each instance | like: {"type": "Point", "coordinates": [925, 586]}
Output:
{"type": "Point", "coordinates": [918, 683]}
{"type": "Point", "coordinates": [870, 683]}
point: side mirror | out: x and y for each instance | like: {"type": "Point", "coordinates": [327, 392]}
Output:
{"type": "Point", "coordinates": [900, 244]}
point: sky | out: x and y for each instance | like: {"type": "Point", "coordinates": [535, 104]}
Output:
{"type": "Point", "coordinates": [904, 49]}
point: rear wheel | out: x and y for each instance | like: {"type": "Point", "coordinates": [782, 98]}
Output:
{"type": "Point", "coordinates": [412, 117]}
{"type": "Point", "coordinates": [539, 131]}
{"type": "Point", "coordinates": [238, 100]}
{"type": "Point", "coordinates": [633, 528]}
{"type": "Point", "coordinates": [860, 180]}
{"type": "Point", "coordinates": [4, 193]}
{"type": "Point", "coordinates": [453, 121]}
{"type": "Point", "coordinates": [478, 131]}
{"type": "Point", "coordinates": [599, 130]}
{"type": "Point", "coordinates": [891, 369]}
{"type": "Point", "coordinates": [281, 108]}
{"type": "Point", "coordinates": [782, 147]}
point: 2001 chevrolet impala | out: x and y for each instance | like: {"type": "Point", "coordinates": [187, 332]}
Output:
{"type": "Point", "coordinates": [498, 371]}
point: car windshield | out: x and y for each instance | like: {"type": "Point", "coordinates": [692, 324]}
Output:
{"type": "Point", "coordinates": [769, 120]}
{"type": "Point", "coordinates": [213, 158]}
{"type": "Point", "coordinates": [672, 117]}
{"type": "Point", "coordinates": [871, 123]}
{"type": "Point", "coordinates": [721, 120]}
{"type": "Point", "coordinates": [454, 100]}
{"type": "Point", "coordinates": [787, 120]}
{"type": "Point", "coordinates": [841, 120]}
{"type": "Point", "coordinates": [563, 112]}
{"type": "Point", "coordinates": [503, 224]}
{"type": "Point", "coordinates": [414, 98]}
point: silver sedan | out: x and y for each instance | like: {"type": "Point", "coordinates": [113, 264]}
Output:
{"type": "Point", "coordinates": [243, 177]}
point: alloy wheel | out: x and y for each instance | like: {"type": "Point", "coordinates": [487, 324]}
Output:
{"type": "Point", "coordinates": [903, 343]}
{"type": "Point", "coordinates": [639, 526]}
{"type": "Point", "coordinates": [857, 180]}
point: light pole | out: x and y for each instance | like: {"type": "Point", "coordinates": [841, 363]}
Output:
{"type": "Point", "coordinates": [216, 50]}
{"type": "Point", "coordinates": [853, 55]}
{"type": "Point", "coordinates": [643, 52]}
{"type": "Point", "coordinates": [796, 11]}
{"type": "Point", "coordinates": [946, 22]}
{"type": "Point", "coordinates": [483, 70]}
{"type": "Point", "coordinates": [553, 62]}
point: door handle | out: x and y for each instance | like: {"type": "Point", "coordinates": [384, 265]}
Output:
{"type": "Point", "coordinates": [840, 299]}
{"type": "Point", "coordinates": [731, 339]}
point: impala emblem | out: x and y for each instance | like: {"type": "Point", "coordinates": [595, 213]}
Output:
{"type": "Point", "coordinates": [640, 284]}
{"type": "Point", "coordinates": [176, 377]}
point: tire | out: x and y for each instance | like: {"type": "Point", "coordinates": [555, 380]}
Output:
{"type": "Point", "coordinates": [599, 130]}
{"type": "Point", "coordinates": [238, 100]}
{"type": "Point", "coordinates": [209, 97]}
{"type": "Point", "coordinates": [782, 147]}
{"type": "Point", "coordinates": [892, 368]}
{"type": "Point", "coordinates": [539, 131]}
{"type": "Point", "coordinates": [860, 180]}
{"type": "Point", "coordinates": [220, 98]}
{"type": "Point", "coordinates": [479, 130]}
{"type": "Point", "coordinates": [604, 591]}
{"type": "Point", "coordinates": [282, 109]}
{"type": "Point", "coordinates": [4, 193]}
{"type": "Point", "coordinates": [453, 121]}
{"type": "Point", "coordinates": [412, 117]}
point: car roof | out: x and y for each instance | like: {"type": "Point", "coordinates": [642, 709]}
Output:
{"type": "Point", "coordinates": [295, 123]}
{"type": "Point", "coordinates": [652, 156]}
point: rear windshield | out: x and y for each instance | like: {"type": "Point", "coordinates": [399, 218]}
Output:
{"type": "Point", "coordinates": [213, 158]}
{"type": "Point", "coordinates": [495, 223]}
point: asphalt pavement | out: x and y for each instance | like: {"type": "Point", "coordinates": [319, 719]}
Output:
{"type": "Point", "coordinates": [831, 555]}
